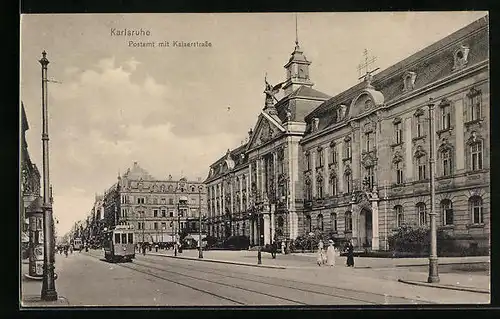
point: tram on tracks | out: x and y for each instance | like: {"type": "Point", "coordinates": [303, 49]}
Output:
{"type": "Point", "coordinates": [77, 244]}
{"type": "Point", "coordinates": [119, 244]}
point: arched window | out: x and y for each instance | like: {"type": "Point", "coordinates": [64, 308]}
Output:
{"type": "Point", "coordinates": [399, 215]}
{"type": "Point", "coordinates": [348, 221]}
{"type": "Point", "coordinates": [421, 166]}
{"type": "Point", "coordinates": [308, 187]}
{"type": "Point", "coordinates": [320, 222]}
{"type": "Point", "coordinates": [333, 185]}
{"type": "Point", "coordinates": [308, 224]}
{"type": "Point", "coordinates": [447, 209]}
{"type": "Point", "coordinates": [476, 209]}
{"type": "Point", "coordinates": [333, 221]}
{"type": "Point", "coordinates": [422, 214]}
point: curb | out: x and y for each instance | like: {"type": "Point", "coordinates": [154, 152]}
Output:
{"type": "Point", "coordinates": [220, 261]}
{"type": "Point", "coordinates": [449, 287]}
{"type": "Point", "coordinates": [31, 301]}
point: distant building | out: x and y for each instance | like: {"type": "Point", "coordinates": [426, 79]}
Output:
{"type": "Point", "coordinates": [356, 165]}
{"type": "Point", "coordinates": [156, 208]}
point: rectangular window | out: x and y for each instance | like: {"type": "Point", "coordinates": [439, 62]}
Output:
{"type": "Point", "coordinates": [446, 163]}
{"type": "Point", "coordinates": [421, 163]}
{"type": "Point", "coordinates": [163, 225]}
{"type": "Point", "coordinates": [347, 149]}
{"type": "Point", "coordinates": [399, 173]}
{"type": "Point", "coordinates": [475, 107]}
{"type": "Point", "coordinates": [334, 155]}
{"type": "Point", "coordinates": [163, 213]}
{"type": "Point", "coordinates": [370, 172]}
{"type": "Point", "coordinates": [398, 132]}
{"type": "Point", "coordinates": [130, 238]}
{"type": "Point", "coordinates": [156, 226]}
{"type": "Point", "coordinates": [333, 186]}
{"type": "Point", "coordinates": [117, 238]}
{"type": "Point", "coordinates": [420, 125]}
{"type": "Point", "coordinates": [171, 214]}
{"type": "Point", "coordinates": [445, 117]}
{"type": "Point", "coordinates": [348, 183]}
{"type": "Point", "coordinates": [155, 213]}
{"type": "Point", "coordinates": [308, 160]}
{"type": "Point", "coordinates": [476, 156]}
{"type": "Point", "coordinates": [369, 142]}
{"type": "Point", "coordinates": [320, 159]}
{"type": "Point", "coordinates": [170, 201]}
{"type": "Point", "coordinates": [124, 238]}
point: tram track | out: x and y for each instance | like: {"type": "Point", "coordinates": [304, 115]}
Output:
{"type": "Point", "coordinates": [194, 287]}
{"type": "Point", "coordinates": [267, 281]}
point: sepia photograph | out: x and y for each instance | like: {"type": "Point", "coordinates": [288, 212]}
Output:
{"type": "Point", "coordinates": [190, 160]}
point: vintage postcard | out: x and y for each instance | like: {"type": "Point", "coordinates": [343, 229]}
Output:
{"type": "Point", "coordinates": [255, 159]}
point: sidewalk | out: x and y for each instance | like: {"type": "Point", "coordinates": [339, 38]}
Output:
{"type": "Point", "coordinates": [405, 270]}
{"type": "Point", "coordinates": [31, 290]}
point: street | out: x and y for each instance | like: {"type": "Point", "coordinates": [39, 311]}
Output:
{"type": "Point", "coordinates": [85, 279]}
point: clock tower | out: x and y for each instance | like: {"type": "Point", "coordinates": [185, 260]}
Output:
{"type": "Point", "coordinates": [297, 70]}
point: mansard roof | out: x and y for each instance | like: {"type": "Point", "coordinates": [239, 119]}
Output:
{"type": "Point", "coordinates": [137, 172]}
{"type": "Point", "coordinates": [299, 110]}
{"type": "Point", "coordinates": [430, 64]}
{"type": "Point", "coordinates": [220, 167]}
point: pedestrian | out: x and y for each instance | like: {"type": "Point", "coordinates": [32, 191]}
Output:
{"type": "Point", "coordinates": [66, 250]}
{"type": "Point", "coordinates": [321, 257]}
{"type": "Point", "coordinates": [320, 245]}
{"type": "Point", "coordinates": [283, 247]}
{"type": "Point", "coordinates": [350, 253]}
{"type": "Point", "coordinates": [156, 247]}
{"type": "Point", "coordinates": [330, 254]}
{"type": "Point", "coordinates": [71, 249]}
{"type": "Point", "coordinates": [144, 249]}
{"type": "Point", "coordinates": [273, 250]}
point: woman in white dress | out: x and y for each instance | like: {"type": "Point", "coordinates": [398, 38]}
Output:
{"type": "Point", "coordinates": [330, 254]}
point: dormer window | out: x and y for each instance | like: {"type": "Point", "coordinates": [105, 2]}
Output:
{"type": "Point", "coordinates": [409, 81]}
{"type": "Point", "coordinates": [460, 57]}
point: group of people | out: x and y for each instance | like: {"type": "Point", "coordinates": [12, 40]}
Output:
{"type": "Point", "coordinates": [332, 252]}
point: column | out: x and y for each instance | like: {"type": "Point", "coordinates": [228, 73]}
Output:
{"type": "Point", "coordinates": [241, 194]}
{"type": "Point", "coordinates": [340, 172]}
{"type": "Point", "coordinates": [257, 176]}
{"type": "Point", "coordinates": [223, 198]}
{"type": "Point", "coordinates": [459, 134]}
{"type": "Point", "coordinates": [375, 234]}
{"type": "Point", "coordinates": [267, 226]}
{"type": "Point", "coordinates": [326, 173]}
{"type": "Point", "coordinates": [408, 149]}
{"type": "Point", "coordinates": [275, 174]}
{"type": "Point", "coordinates": [232, 196]}
{"type": "Point", "coordinates": [356, 158]}
{"type": "Point", "coordinates": [313, 171]}
{"type": "Point", "coordinates": [262, 176]}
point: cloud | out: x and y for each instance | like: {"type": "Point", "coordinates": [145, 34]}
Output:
{"type": "Point", "coordinates": [102, 122]}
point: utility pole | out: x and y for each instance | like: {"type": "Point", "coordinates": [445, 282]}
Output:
{"type": "Point", "coordinates": [433, 259]}
{"type": "Point", "coordinates": [49, 292]}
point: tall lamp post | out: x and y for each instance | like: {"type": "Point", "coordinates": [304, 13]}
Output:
{"type": "Point", "coordinates": [49, 292]}
{"type": "Point", "coordinates": [200, 250]}
{"type": "Point", "coordinates": [433, 259]}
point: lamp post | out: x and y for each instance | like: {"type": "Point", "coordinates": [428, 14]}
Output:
{"type": "Point", "coordinates": [162, 237]}
{"type": "Point", "coordinates": [200, 250]}
{"type": "Point", "coordinates": [172, 225]}
{"type": "Point", "coordinates": [49, 292]}
{"type": "Point", "coordinates": [433, 259]}
{"type": "Point", "coordinates": [259, 249]}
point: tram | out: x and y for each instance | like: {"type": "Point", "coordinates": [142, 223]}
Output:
{"type": "Point", "coordinates": [77, 244]}
{"type": "Point", "coordinates": [119, 244]}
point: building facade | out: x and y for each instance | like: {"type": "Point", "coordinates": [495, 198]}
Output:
{"type": "Point", "coordinates": [156, 209]}
{"type": "Point", "coordinates": [367, 150]}
{"type": "Point", "coordinates": [255, 189]}
{"type": "Point", "coordinates": [356, 165]}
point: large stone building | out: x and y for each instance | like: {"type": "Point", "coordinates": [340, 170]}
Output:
{"type": "Point", "coordinates": [157, 209]}
{"type": "Point", "coordinates": [357, 165]}
{"type": "Point", "coordinates": [265, 174]}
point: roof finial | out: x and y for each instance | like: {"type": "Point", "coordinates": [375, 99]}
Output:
{"type": "Point", "coordinates": [296, 31]}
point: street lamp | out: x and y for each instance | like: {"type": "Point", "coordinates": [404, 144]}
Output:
{"type": "Point", "coordinates": [433, 259]}
{"type": "Point", "coordinates": [200, 250]}
{"type": "Point", "coordinates": [49, 292]}
{"type": "Point", "coordinates": [162, 237]}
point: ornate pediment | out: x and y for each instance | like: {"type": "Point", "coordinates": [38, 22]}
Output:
{"type": "Point", "coordinates": [474, 137]}
{"type": "Point", "coordinates": [445, 145]}
{"type": "Point", "coordinates": [368, 160]}
{"type": "Point", "coordinates": [347, 170]}
{"type": "Point", "coordinates": [473, 92]}
{"type": "Point", "coordinates": [397, 157]}
{"type": "Point", "coordinates": [420, 152]}
{"type": "Point", "coordinates": [264, 132]}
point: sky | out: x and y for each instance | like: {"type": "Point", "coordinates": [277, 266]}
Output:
{"type": "Point", "coordinates": [175, 110]}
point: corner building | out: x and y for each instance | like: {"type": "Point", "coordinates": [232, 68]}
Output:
{"type": "Point", "coordinates": [356, 165]}
{"type": "Point", "coordinates": [157, 209]}
{"type": "Point", "coordinates": [366, 150]}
